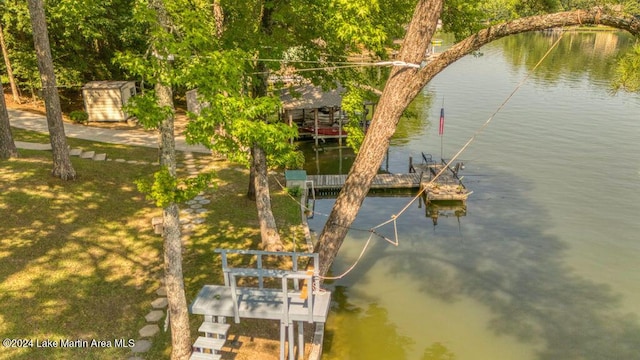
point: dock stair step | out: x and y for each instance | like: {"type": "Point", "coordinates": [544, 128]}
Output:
{"type": "Point", "coordinates": [213, 328]}
{"type": "Point", "coordinates": [206, 343]}
{"type": "Point", "coordinates": [204, 356]}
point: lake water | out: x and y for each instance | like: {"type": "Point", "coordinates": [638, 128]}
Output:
{"type": "Point", "coordinates": [546, 262]}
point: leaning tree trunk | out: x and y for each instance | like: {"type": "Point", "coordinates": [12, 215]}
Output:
{"type": "Point", "coordinates": [7, 145]}
{"type": "Point", "coordinates": [174, 280]}
{"type": "Point", "coordinates": [403, 86]}
{"type": "Point", "coordinates": [62, 166]}
{"type": "Point", "coordinates": [7, 63]}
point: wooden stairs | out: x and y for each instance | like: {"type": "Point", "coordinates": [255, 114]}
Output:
{"type": "Point", "coordinates": [209, 345]}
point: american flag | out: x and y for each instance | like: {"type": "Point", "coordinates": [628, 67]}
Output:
{"type": "Point", "coordinates": [441, 128]}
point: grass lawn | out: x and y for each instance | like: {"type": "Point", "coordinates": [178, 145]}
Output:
{"type": "Point", "coordinates": [79, 260]}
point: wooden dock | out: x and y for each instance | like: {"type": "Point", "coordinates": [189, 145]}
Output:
{"type": "Point", "coordinates": [381, 181]}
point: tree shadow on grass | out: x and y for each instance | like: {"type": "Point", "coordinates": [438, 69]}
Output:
{"type": "Point", "coordinates": [78, 257]}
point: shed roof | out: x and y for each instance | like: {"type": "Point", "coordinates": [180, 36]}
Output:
{"type": "Point", "coordinates": [105, 84]}
{"type": "Point", "coordinates": [310, 97]}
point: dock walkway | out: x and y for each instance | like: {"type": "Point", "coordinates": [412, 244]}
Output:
{"type": "Point", "coordinates": [381, 181]}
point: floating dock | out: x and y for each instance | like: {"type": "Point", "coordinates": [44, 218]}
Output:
{"type": "Point", "coordinates": [446, 186]}
{"type": "Point", "coordinates": [439, 181]}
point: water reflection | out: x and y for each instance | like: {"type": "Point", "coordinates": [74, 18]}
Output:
{"type": "Point", "coordinates": [498, 288]}
{"type": "Point", "coordinates": [577, 55]}
{"type": "Point", "coordinates": [373, 334]}
{"type": "Point", "coordinates": [443, 209]}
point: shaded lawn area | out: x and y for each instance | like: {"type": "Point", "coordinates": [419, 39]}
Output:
{"type": "Point", "coordinates": [78, 259]}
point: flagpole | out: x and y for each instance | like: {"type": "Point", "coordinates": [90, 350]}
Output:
{"type": "Point", "coordinates": [441, 130]}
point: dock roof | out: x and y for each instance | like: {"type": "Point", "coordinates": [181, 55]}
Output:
{"type": "Point", "coordinates": [308, 96]}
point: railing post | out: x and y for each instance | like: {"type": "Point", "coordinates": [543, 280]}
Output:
{"type": "Point", "coordinates": [260, 278]}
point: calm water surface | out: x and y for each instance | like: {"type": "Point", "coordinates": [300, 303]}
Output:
{"type": "Point", "coordinates": [545, 264]}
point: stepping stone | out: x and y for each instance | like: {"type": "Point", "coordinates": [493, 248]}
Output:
{"type": "Point", "coordinates": [191, 202]}
{"type": "Point", "coordinates": [196, 206]}
{"type": "Point", "coordinates": [75, 152]}
{"type": "Point", "coordinates": [199, 198]}
{"type": "Point", "coordinates": [135, 358]}
{"type": "Point", "coordinates": [184, 221]}
{"type": "Point", "coordinates": [188, 211]}
{"type": "Point", "coordinates": [132, 162]}
{"type": "Point", "coordinates": [205, 201]}
{"type": "Point", "coordinates": [100, 157]}
{"type": "Point", "coordinates": [188, 227]}
{"type": "Point", "coordinates": [149, 330]}
{"type": "Point", "coordinates": [201, 211]}
{"type": "Point", "coordinates": [161, 291]}
{"type": "Point", "coordinates": [155, 163]}
{"type": "Point", "coordinates": [198, 220]}
{"type": "Point", "coordinates": [88, 154]}
{"type": "Point", "coordinates": [141, 346]}
{"type": "Point", "coordinates": [159, 303]}
{"type": "Point", "coordinates": [120, 160]}
{"type": "Point", "coordinates": [154, 316]}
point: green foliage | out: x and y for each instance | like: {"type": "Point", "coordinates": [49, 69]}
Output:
{"type": "Point", "coordinates": [146, 109]}
{"type": "Point", "coordinates": [231, 125]}
{"type": "Point", "coordinates": [79, 116]}
{"type": "Point", "coordinates": [352, 104]}
{"type": "Point", "coordinates": [295, 191]}
{"type": "Point", "coordinates": [463, 17]}
{"type": "Point", "coordinates": [165, 189]}
{"type": "Point", "coordinates": [84, 37]}
{"type": "Point", "coordinates": [627, 76]}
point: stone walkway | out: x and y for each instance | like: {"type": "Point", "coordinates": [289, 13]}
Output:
{"type": "Point", "coordinates": [30, 121]}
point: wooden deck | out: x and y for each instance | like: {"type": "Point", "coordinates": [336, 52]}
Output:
{"type": "Point", "coordinates": [258, 304]}
{"type": "Point", "coordinates": [381, 181]}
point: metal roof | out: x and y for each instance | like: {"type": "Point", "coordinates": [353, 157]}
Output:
{"type": "Point", "coordinates": [310, 97]}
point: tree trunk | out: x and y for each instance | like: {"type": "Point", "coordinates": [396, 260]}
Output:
{"type": "Point", "coordinates": [268, 229]}
{"type": "Point", "coordinates": [251, 191]}
{"type": "Point", "coordinates": [62, 166]}
{"type": "Point", "coordinates": [7, 63]}
{"type": "Point", "coordinates": [174, 280]}
{"type": "Point", "coordinates": [7, 146]}
{"type": "Point", "coordinates": [218, 15]}
{"type": "Point", "coordinates": [405, 83]}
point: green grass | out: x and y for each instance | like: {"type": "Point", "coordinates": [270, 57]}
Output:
{"type": "Point", "coordinates": [79, 260]}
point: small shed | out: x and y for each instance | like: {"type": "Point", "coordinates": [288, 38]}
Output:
{"type": "Point", "coordinates": [103, 100]}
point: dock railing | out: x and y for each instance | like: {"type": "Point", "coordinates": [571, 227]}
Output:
{"type": "Point", "coordinates": [259, 271]}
